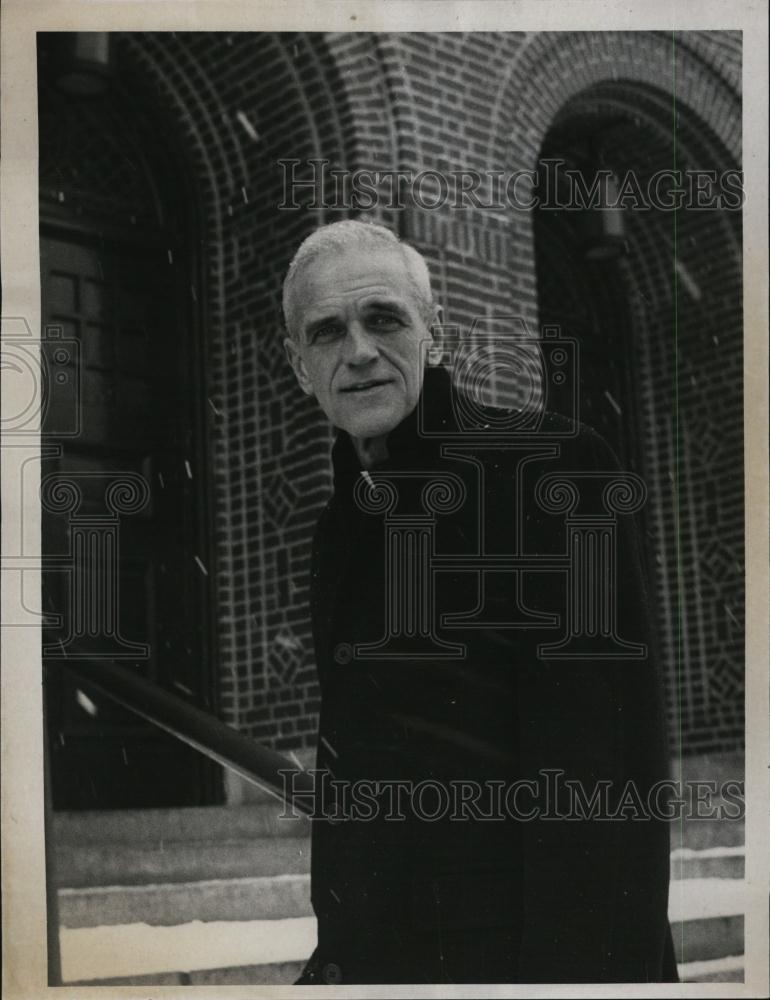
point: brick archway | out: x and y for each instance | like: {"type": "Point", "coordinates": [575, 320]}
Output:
{"type": "Point", "coordinates": [550, 70]}
{"type": "Point", "coordinates": [219, 95]}
{"type": "Point", "coordinates": [663, 323]}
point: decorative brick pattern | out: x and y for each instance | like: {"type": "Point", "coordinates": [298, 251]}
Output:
{"type": "Point", "coordinates": [241, 102]}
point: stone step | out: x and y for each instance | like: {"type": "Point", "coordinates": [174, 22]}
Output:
{"type": "Point", "coordinates": [270, 919]}
{"type": "Point", "coordinates": [89, 865]}
{"type": "Point", "coordinates": [708, 939]}
{"type": "Point", "coordinates": [269, 818]}
{"type": "Point", "coordinates": [727, 862]}
{"type": "Point", "coordinates": [260, 898]}
{"type": "Point", "coordinates": [158, 826]}
{"type": "Point", "coordinates": [82, 865]}
{"type": "Point", "coordinates": [729, 969]}
{"type": "Point", "coordinates": [195, 951]}
{"type": "Point", "coordinates": [272, 974]}
{"type": "Point", "coordinates": [700, 834]}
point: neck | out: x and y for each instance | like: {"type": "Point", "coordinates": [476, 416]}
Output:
{"type": "Point", "coordinates": [370, 451]}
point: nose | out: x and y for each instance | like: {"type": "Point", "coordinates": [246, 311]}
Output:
{"type": "Point", "coordinates": [359, 347]}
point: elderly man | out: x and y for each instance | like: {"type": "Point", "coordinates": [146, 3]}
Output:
{"type": "Point", "coordinates": [502, 882]}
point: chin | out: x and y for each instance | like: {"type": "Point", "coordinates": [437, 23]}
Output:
{"type": "Point", "coordinates": [363, 429]}
{"type": "Point", "coordinates": [372, 424]}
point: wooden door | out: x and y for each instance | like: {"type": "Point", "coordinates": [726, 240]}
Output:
{"type": "Point", "coordinates": [118, 307]}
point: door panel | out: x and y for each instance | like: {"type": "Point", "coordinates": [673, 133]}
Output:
{"type": "Point", "coordinates": [113, 308]}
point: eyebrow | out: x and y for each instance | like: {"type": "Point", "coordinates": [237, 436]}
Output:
{"type": "Point", "coordinates": [383, 302]}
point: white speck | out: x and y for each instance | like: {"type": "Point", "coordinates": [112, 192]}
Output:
{"type": "Point", "coordinates": [162, 481]}
{"type": "Point", "coordinates": [295, 758]}
{"type": "Point", "coordinates": [170, 256]}
{"type": "Point", "coordinates": [85, 703]}
{"type": "Point", "coordinates": [211, 404]}
{"type": "Point", "coordinates": [286, 642]}
{"type": "Point", "coordinates": [194, 293]}
{"type": "Point", "coordinates": [245, 196]}
{"type": "Point", "coordinates": [731, 615]}
{"type": "Point", "coordinates": [125, 755]}
{"type": "Point", "coordinates": [613, 403]}
{"type": "Point", "coordinates": [715, 339]}
{"type": "Point", "coordinates": [183, 687]}
{"type": "Point", "coordinates": [187, 469]}
{"type": "Point", "coordinates": [61, 196]}
{"type": "Point", "coordinates": [248, 128]}
{"type": "Point", "coordinates": [61, 739]}
{"type": "Point", "coordinates": [368, 479]}
{"type": "Point", "coordinates": [201, 567]}
{"type": "Point", "coordinates": [329, 747]}
{"type": "Point", "coordinates": [335, 895]}
{"type": "Point", "coordinates": [688, 281]}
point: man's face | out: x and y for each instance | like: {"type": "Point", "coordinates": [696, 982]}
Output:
{"type": "Point", "coordinates": [359, 330]}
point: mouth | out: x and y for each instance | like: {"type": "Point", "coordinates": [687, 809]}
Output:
{"type": "Point", "coordinates": [366, 385]}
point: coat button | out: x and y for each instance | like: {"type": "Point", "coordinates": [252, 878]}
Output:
{"type": "Point", "coordinates": [331, 974]}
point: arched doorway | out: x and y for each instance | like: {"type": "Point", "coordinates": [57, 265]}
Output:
{"type": "Point", "coordinates": [657, 311]}
{"type": "Point", "coordinates": [120, 292]}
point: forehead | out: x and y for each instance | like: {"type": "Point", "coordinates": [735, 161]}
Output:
{"type": "Point", "coordinates": [335, 282]}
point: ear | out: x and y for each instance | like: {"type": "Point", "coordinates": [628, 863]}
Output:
{"type": "Point", "coordinates": [298, 365]}
{"type": "Point", "coordinates": [434, 353]}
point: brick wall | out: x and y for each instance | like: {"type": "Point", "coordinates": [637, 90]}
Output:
{"type": "Point", "coordinates": [241, 103]}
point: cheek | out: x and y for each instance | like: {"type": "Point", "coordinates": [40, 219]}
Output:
{"type": "Point", "coordinates": [320, 373]}
{"type": "Point", "coordinates": [413, 365]}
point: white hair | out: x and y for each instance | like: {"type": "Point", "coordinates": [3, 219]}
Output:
{"type": "Point", "coordinates": [352, 234]}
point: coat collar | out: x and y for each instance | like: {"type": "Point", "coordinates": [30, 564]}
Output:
{"type": "Point", "coordinates": [406, 444]}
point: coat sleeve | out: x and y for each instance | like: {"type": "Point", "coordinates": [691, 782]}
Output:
{"type": "Point", "coordinates": [595, 885]}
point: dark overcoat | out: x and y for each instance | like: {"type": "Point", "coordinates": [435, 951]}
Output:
{"type": "Point", "coordinates": [507, 888]}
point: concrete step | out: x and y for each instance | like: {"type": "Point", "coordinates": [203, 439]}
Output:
{"type": "Point", "coordinates": [707, 834]}
{"type": "Point", "coordinates": [195, 950]}
{"type": "Point", "coordinates": [156, 896]}
{"type": "Point", "coordinates": [83, 865]}
{"type": "Point", "coordinates": [708, 939]}
{"type": "Point", "coordinates": [720, 970]}
{"type": "Point", "coordinates": [89, 865]}
{"type": "Point", "coordinates": [157, 929]}
{"type": "Point", "coordinates": [271, 897]}
{"type": "Point", "coordinates": [272, 974]}
{"type": "Point", "coordinates": [158, 826]}
{"type": "Point", "coordinates": [727, 862]}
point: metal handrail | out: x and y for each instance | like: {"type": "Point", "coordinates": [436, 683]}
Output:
{"type": "Point", "coordinates": [218, 741]}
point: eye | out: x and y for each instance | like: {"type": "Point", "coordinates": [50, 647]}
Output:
{"type": "Point", "coordinates": [327, 333]}
{"type": "Point", "coordinates": [385, 321]}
